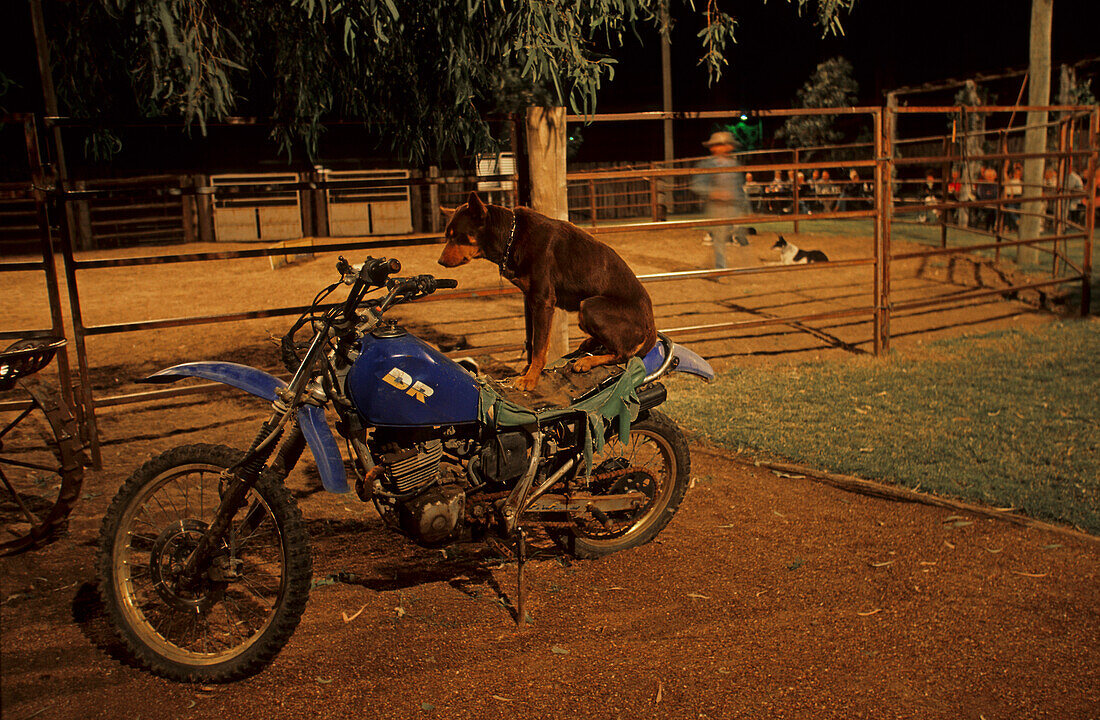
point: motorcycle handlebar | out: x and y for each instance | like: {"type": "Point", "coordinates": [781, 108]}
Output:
{"type": "Point", "coordinates": [373, 272]}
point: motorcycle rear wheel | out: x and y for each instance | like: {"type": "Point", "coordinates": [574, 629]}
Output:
{"type": "Point", "coordinates": [242, 610]}
{"type": "Point", "coordinates": [657, 447]}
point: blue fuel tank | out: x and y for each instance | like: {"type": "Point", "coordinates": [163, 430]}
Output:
{"type": "Point", "coordinates": [399, 380]}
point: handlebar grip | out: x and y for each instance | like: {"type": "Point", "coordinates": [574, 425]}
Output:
{"type": "Point", "coordinates": [445, 283]}
{"type": "Point", "coordinates": [379, 270]}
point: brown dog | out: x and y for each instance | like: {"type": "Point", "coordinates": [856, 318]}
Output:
{"type": "Point", "coordinates": [556, 264]}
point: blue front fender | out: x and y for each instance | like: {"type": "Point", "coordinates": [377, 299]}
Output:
{"type": "Point", "coordinates": [311, 419]}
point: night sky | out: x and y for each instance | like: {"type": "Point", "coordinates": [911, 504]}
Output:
{"type": "Point", "coordinates": [891, 43]}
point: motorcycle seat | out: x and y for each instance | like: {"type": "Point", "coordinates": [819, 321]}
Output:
{"type": "Point", "coordinates": [612, 400]}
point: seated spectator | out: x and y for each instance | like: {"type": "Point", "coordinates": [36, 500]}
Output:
{"type": "Point", "coordinates": [752, 192]}
{"type": "Point", "coordinates": [954, 194]}
{"type": "Point", "coordinates": [985, 190]}
{"type": "Point", "coordinates": [855, 194]}
{"type": "Point", "coordinates": [776, 193]}
{"type": "Point", "coordinates": [809, 193]}
{"type": "Point", "coordinates": [828, 192]}
{"type": "Point", "coordinates": [1050, 187]}
{"type": "Point", "coordinates": [793, 180]}
{"type": "Point", "coordinates": [799, 185]}
{"type": "Point", "coordinates": [1013, 189]}
{"type": "Point", "coordinates": [1076, 185]}
{"type": "Point", "coordinates": [930, 196]}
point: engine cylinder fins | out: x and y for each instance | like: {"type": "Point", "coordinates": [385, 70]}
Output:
{"type": "Point", "coordinates": [416, 471]}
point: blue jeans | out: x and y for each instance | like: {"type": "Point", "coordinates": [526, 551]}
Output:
{"type": "Point", "coordinates": [722, 234]}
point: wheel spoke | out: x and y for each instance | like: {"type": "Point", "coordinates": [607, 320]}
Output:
{"type": "Point", "coordinates": [19, 500]}
{"type": "Point", "coordinates": [27, 411]}
{"type": "Point", "coordinates": [7, 460]}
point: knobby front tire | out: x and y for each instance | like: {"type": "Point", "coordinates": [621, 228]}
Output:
{"type": "Point", "coordinates": [240, 613]}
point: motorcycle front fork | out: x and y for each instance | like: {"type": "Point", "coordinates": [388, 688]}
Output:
{"type": "Point", "coordinates": [238, 482]}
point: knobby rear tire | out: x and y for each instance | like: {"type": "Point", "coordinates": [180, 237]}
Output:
{"type": "Point", "coordinates": [225, 629]}
{"type": "Point", "coordinates": [657, 444]}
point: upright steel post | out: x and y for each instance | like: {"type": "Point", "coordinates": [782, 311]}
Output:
{"type": "Point", "coordinates": [945, 171]}
{"type": "Point", "coordinates": [876, 291]}
{"type": "Point", "coordinates": [521, 581]}
{"type": "Point", "coordinates": [53, 291]}
{"type": "Point", "coordinates": [1056, 208]}
{"type": "Point", "coordinates": [794, 194]}
{"type": "Point", "coordinates": [91, 429]}
{"type": "Point", "coordinates": [1090, 212]}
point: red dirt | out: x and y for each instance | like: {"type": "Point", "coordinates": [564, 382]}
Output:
{"type": "Point", "coordinates": [765, 597]}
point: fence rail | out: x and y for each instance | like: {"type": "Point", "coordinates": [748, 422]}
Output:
{"type": "Point", "coordinates": [635, 198]}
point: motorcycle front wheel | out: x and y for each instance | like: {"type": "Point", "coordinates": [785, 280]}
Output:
{"type": "Point", "coordinates": [655, 463]}
{"type": "Point", "coordinates": [239, 612]}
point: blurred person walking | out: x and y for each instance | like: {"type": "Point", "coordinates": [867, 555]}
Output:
{"type": "Point", "coordinates": [724, 193]}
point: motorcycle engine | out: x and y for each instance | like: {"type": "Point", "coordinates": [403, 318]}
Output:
{"type": "Point", "coordinates": [428, 511]}
{"type": "Point", "coordinates": [433, 515]}
{"type": "Point", "coordinates": [411, 468]}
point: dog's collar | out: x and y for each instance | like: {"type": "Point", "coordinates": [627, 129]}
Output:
{"type": "Point", "coordinates": [507, 255]}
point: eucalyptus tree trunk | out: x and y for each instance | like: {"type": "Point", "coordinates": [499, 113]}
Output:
{"type": "Point", "coordinates": [546, 144]}
{"type": "Point", "coordinates": [1035, 139]}
{"type": "Point", "coordinates": [973, 127]}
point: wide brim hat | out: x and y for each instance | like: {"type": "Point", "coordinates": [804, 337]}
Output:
{"type": "Point", "coordinates": [722, 137]}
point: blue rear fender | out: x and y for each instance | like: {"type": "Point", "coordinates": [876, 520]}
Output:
{"type": "Point", "coordinates": [311, 419]}
{"type": "Point", "coordinates": [684, 360]}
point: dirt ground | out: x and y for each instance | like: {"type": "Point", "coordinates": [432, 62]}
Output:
{"type": "Point", "coordinates": [766, 596]}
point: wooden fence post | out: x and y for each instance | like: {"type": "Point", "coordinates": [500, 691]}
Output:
{"type": "Point", "coordinates": [416, 200]}
{"type": "Point", "coordinates": [204, 208]}
{"type": "Point", "coordinates": [546, 143]}
{"type": "Point", "coordinates": [320, 203]}
{"type": "Point", "coordinates": [435, 218]}
{"type": "Point", "coordinates": [82, 214]}
{"type": "Point", "coordinates": [187, 209]}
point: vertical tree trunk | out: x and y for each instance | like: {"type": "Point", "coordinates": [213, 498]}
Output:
{"type": "Point", "coordinates": [664, 189]}
{"type": "Point", "coordinates": [546, 144]}
{"type": "Point", "coordinates": [973, 127]}
{"type": "Point", "coordinates": [1035, 139]}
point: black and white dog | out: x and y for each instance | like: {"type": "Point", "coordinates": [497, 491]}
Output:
{"type": "Point", "coordinates": [791, 255]}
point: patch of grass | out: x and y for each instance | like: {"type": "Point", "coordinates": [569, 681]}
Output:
{"type": "Point", "coordinates": [1009, 419]}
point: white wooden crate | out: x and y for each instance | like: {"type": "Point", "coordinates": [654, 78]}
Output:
{"type": "Point", "coordinates": [365, 206]}
{"type": "Point", "coordinates": [256, 206]}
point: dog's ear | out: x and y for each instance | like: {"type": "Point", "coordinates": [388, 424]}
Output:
{"type": "Point", "coordinates": [475, 207]}
{"type": "Point", "coordinates": [447, 212]}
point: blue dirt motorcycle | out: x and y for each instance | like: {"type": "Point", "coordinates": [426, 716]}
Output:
{"type": "Point", "coordinates": [204, 562]}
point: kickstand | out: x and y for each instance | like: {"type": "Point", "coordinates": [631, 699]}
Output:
{"type": "Point", "coordinates": [521, 589]}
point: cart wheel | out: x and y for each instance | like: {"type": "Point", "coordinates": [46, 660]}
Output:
{"type": "Point", "coordinates": [41, 468]}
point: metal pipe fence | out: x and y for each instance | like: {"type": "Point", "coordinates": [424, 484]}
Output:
{"type": "Point", "coordinates": [660, 194]}
{"type": "Point", "coordinates": [36, 192]}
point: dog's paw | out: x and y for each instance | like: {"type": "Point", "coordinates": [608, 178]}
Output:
{"type": "Point", "coordinates": [527, 382]}
{"type": "Point", "coordinates": [584, 365]}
